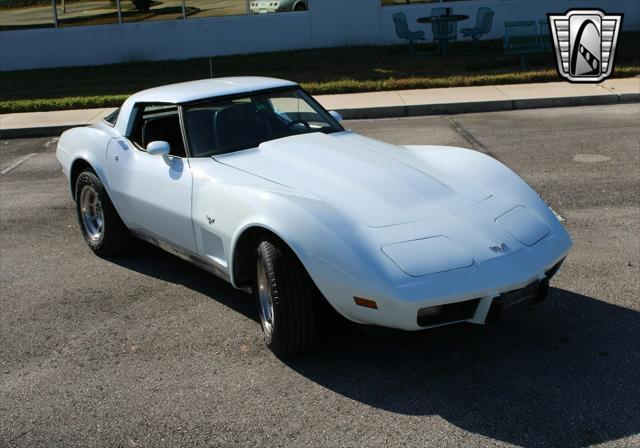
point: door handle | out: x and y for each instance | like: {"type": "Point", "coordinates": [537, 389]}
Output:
{"type": "Point", "coordinates": [117, 158]}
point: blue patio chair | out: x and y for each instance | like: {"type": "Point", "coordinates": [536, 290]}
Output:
{"type": "Point", "coordinates": [444, 29]}
{"type": "Point", "coordinates": [403, 31]}
{"type": "Point", "coordinates": [484, 20]}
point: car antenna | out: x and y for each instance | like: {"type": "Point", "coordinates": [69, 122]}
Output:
{"type": "Point", "coordinates": [210, 67]}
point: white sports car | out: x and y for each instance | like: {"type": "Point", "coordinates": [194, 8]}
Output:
{"type": "Point", "coordinates": [251, 179]}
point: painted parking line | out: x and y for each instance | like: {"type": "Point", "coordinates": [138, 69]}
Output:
{"type": "Point", "coordinates": [16, 164]}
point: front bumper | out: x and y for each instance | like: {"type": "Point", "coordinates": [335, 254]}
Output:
{"type": "Point", "coordinates": [505, 303]}
{"type": "Point", "coordinates": [477, 295]}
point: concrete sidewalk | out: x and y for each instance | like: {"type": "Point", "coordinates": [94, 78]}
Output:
{"type": "Point", "coordinates": [402, 103]}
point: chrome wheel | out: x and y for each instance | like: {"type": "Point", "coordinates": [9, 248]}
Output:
{"type": "Point", "coordinates": [265, 299]}
{"type": "Point", "coordinates": [91, 213]}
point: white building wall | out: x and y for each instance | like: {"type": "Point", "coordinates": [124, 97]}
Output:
{"type": "Point", "coordinates": [329, 23]}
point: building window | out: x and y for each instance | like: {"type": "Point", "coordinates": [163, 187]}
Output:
{"type": "Point", "coordinates": [21, 14]}
{"type": "Point", "coordinates": [216, 8]}
{"type": "Point", "coordinates": [86, 12]}
{"type": "Point", "coordinates": [148, 10]}
{"type": "Point", "coordinates": [272, 6]}
{"type": "Point", "coordinates": [412, 2]}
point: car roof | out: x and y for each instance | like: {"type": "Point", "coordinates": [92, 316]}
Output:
{"type": "Point", "coordinates": [185, 92]}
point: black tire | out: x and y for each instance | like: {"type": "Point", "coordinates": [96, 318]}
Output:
{"type": "Point", "coordinates": [114, 237]}
{"type": "Point", "coordinates": [300, 7]}
{"type": "Point", "coordinates": [293, 294]}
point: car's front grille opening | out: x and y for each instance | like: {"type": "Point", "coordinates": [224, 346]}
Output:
{"type": "Point", "coordinates": [451, 312]}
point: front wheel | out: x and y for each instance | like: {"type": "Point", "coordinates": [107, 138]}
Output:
{"type": "Point", "coordinates": [286, 298]}
{"type": "Point", "coordinates": [300, 7]}
{"type": "Point", "coordinates": [102, 228]}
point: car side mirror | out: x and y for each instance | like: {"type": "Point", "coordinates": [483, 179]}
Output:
{"type": "Point", "coordinates": [158, 148]}
{"type": "Point", "coordinates": [336, 116]}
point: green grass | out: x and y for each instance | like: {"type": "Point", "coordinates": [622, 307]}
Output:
{"type": "Point", "coordinates": [320, 71]}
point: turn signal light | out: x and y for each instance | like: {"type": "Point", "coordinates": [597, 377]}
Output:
{"type": "Point", "coordinates": [366, 303]}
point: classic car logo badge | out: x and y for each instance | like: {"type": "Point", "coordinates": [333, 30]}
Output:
{"type": "Point", "coordinates": [585, 43]}
{"type": "Point", "coordinates": [499, 249]}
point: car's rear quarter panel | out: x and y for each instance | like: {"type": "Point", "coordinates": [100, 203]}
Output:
{"type": "Point", "coordinates": [88, 144]}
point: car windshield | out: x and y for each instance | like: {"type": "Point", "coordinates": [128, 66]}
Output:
{"type": "Point", "coordinates": [227, 125]}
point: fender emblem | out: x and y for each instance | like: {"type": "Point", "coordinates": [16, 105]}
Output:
{"type": "Point", "coordinates": [211, 220]}
{"type": "Point", "coordinates": [499, 249]}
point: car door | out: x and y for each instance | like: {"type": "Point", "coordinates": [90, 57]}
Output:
{"type": "Point", "coordinates": [153, 192]}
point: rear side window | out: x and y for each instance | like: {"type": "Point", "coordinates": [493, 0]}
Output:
{"type": "Point", "coordinates": [156, 122]}
{"type": "Point", "coordinates": [112, 117]}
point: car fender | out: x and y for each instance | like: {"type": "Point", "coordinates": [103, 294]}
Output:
{"type": "Point", "coordinates": [84, 143]}
{"type": "Point", "coordinates": [332, 247]}
{"type": "Point", "coordinates": [342, 264]}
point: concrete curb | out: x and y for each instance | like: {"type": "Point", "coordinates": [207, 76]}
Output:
{"type": "Point", "coordinates": [486, 106]}
{"type": "Point", "coordinates": [403, 111]}
{"type": "Point", "coordinates": [43, 131]}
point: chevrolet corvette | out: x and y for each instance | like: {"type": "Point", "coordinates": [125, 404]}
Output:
{"type": "Point", "coordinates": [254, 181]}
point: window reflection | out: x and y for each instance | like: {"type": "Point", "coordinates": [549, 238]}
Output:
{"type": "Point", "coordinates": [19, 14]}
{"type": "Point", "coordinates": [271, 6]}
{"type": "Point", "coordinates": [216, 8]}
{"type": "Point", "coordinates": [86, 12]}
{"type": "Point", "coordinates": [407, 2]}
{"type": "Point", "coordinates": [147, 10]}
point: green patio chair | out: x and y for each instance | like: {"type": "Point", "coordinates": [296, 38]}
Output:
{"type": "Point", "coordinates": [484, 20]}
{"type": "Point", "coordinates": [521, 39]}
{"type": "Point", "coordinates": [544, 36]}
{"type": "Point", "coordinates": [403, 32]}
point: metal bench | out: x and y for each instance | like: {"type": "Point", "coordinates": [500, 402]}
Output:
{"type": "Point", "coordinates": [521, 39]}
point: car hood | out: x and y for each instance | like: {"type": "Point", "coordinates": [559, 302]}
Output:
{"type": "Point", "coordinates": [378, 183]}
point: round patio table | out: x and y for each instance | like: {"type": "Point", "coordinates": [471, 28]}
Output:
{"type": "Point", "coordinates": [443, 43]}
{"type": "Point", "coordinates": [431, 19]}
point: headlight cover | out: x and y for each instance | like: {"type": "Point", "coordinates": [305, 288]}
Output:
{"type": "Point", "coordinates": [524, 225]}
{"type": "Point", "coordinates": [428, 256]}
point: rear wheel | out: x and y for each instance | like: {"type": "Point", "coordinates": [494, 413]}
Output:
{"type": "Point", "coordinates": [102, 228]}
{"type": "Point", "coordinates": [286, 297]}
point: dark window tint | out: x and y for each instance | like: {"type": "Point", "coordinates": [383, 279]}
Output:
{"type": "Point", "coordinates": [222, 126]}
{"type": "Point", "coordinates": [158, 123]}
{"type": "Point", "coordinates": [112, 117]}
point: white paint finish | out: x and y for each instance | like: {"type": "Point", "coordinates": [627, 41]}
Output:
{"type": "Point", "coordinates": [207, 88]}
{"type": "Point", "coordinates": [194, 90]}
{"type": "Point", "coordinates": [428, 256]}
{"type": "Point", "coordinates": [158, 148]}
{"type": "Point", "coordinates": [524, 225]}
{"type": "Point", "coordinates": [356, 176]}
{"type": "Point", "coordinates": [153, 192]}
{"type": "Point", "coordinates": [205, 206]}
{"type": "Point", "coordinates": [328, 23]}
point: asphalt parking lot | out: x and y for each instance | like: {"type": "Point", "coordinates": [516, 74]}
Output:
{"type": "Point", "coordinates": [146, 350]}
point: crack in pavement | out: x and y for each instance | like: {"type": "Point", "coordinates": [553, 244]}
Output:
{"type": "Point", "coordinates": [468, 136]}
